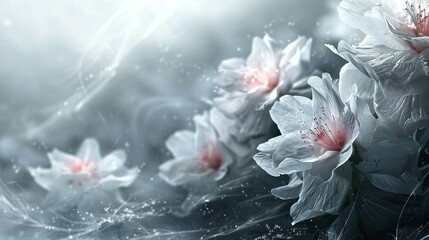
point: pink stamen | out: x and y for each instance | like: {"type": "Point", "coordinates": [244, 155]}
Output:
{"type": "Point", "coordinates": [419, 19]}
{"type": "Point", "coordinates": [329, 133]}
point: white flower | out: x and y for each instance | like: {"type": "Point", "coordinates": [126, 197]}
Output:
{"type": "Point", "coordinates": [250, 85]}
{"type": "Point", "coordinates": [200, 158]}
{"type": "Point", "coordinates": [317, 135]}
{"type": "Point", "coordinates": [400, 25]}
{"type": "Point", "coordinates": [401, 99]}
{"type": "Point", "coordinates": [72, 177]}
{"type": "Point", "coordinates": [317, 139]}
{"type": "Point", "coordinates": [395, 54]}
{"type": "Point", "coordinates": [389, 162]}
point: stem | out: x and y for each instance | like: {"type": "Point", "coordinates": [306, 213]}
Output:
{"type": "Point", "coordinates": [354, 190]}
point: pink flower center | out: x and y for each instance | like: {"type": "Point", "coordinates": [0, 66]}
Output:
{"type": "Point", "coordinates": [328, 133]}
{"type": "Point", "coordinates": [82, 167]}
{"type": "Point", "coordinates": [211, 158]}
{"type": "Point", "coordinates": [268, 77]}
{"type": "Point", "coordinates": [417, 19]}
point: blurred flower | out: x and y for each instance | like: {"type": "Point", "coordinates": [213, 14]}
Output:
{"type": "Point", "coordinates": [250, 85]}
{"type": "Point", "coordinates": [395, 54]}
{"type": "Point", "coordinates": [200, 158]}
{"type": "Point", "coordinates": [71, 178]}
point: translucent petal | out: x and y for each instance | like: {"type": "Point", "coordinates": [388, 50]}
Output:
{"type": "Point", "coordinates": [320, 197]}
{"type": "Point", "coordinates": [181, 143]}
{"type": "Point", "coordinates": [89, 150]}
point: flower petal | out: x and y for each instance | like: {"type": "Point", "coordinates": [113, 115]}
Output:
{"type": "Point", "coordinates": [295, 63]}
{"type": "Point", "coordinates": [293, 147]}
{"type": "Point", "coordinates": [325, 98]}
{"type": "Point", "coordinates": [222, 124]}
{"type": "Point", "coordinates": [284, 155]}
{"type": "Point", "coordinates": [292, 113]}
{"type": "Point", "coordinates": [181, 143]}
{"type": "Point", "coordinates": [290, 191]}
{"type": "Point", "coordinates": [262, 55]}
{"type": "Point", "coordinates": [46, 178]}
{"type": "Point", "coordinates": [405, 184]}
{"type": "Point", "coordinates": [368, 17]}
{"type": "Point", "coordinates": [61, 160]}
{"type": "Point", "coordinates": [232, 104]}
{"type": "Point", "coordinates": [388, 154]}
{"type": "Point", "coordinates": [403, 115]}
{"type": "Point", "coordinates": [188, 170]}
{"type": "Point", "coordinates": [365, 118]}
{"type": "Point", "coordinates": [264, 160]}
{"type": "Point", "coordinates": [205, 134]}
{"type": "Point", "coordinates": [325, 168]}
{"type": "Point", "coordinates": [301, 45]}
{"type": "Point", "coordinates": [230, 71]}
{"type": "Point", "coordinates": [349, 76]}
{"type": "Point", "coordinates": [89, 150]}
{"type": "Point", "coordinates": [319, 197]}
{"type": "Point", "coordinates": [398, 73]}
{"type": "Point", "coordinates": [422, 41]}
{"type": "Point", "coordinates": [249, 121]}
{"type": "Point", "coordinates": [121, 178]}
{"type": "Point", "coordinates": [112, 162]}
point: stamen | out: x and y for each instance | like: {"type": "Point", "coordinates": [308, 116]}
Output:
{"type": "Point", "coordinates": [419, 19]}
{"type": "Point", "coordinates": [329, 133]}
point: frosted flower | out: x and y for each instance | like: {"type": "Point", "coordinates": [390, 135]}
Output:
{"type": "Point", "coordinates": [317, 139]}
{"type": "Point", "coordinates": [200, 158]}
{"type": "Point", "coordinates": [250, 85]}
{"type": "Point", "coordinates": [395, 54]}
{"type": "Point", "coordinates": [72, 177]}
{"type": "Point", "coordinates": [400, 25]}
{"type": "Point", "coordinates": [389, 162]}
{"type": "Point", "coordinates": [400, 98]}
{"type": "Point", "coordinates": [317, 135]}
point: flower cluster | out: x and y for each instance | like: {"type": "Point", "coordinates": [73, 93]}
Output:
{"type": "Point", "coordinates": [333, 133]}
{"type": "Point", "coordinates": [394, 54]}
{"type": "Point", "coordinates": [360, 127]}
{"type": "Point", "coordinates": [226, 136]}
{"type": "Point", "coordinates": [250, 86]}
